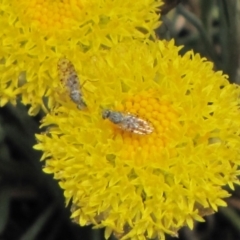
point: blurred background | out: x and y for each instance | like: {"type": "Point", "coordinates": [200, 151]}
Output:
{"type": "Point", "coordinates": [31, 202]}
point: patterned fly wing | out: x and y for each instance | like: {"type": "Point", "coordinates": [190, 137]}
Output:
{"type": "Point", "coordinates": [69, 79]}
{"type": "Point", "coordinates": [128, 122]}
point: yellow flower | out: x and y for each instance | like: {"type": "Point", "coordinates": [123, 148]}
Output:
{"type": "Point", "coordinates": [146, 186]}
{"type": "Point", "coordinates": [36, 33]}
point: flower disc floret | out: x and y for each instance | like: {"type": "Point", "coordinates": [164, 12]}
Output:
{"type": "Point", "coordinates": [146, 186]}
{"type": "Point", "coordinates": [37, 33]}
{"type": "Point", "coordinates": [158, 114]}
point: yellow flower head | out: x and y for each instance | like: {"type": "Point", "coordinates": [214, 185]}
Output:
{"type": "Point", "coordinates": [162, 160]}
{"type": "Point", "coordinates": [38, 32]}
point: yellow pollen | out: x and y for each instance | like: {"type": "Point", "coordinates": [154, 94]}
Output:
{"type": "Point", "coordinates": [159, 114]}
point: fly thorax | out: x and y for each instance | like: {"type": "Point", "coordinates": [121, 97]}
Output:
{"type": "Point", "coordinates": [75, 96]}
{"type": "Point", "coordinates": [116, 117]}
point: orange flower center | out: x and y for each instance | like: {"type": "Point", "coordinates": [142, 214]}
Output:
{"type": "Point", "coordinates": [49, 14]}
{"type": "Point", "coordinates": [159, 114]}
